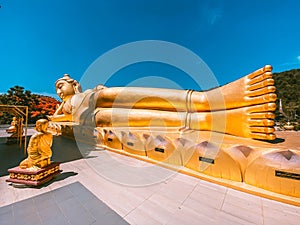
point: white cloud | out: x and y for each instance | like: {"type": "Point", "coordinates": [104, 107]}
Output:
{"type": "Point", "coordinates": [298, 57]}
{"type": "Point", "coordinates": [215, 15]}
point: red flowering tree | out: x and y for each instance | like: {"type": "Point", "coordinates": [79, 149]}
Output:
{"type": "Point", "coordinates": [38, 106]}
{"type": "Point", "coordinates": [46, 107]}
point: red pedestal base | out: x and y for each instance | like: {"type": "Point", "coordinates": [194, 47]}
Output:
{"type": "Point", "coordinates": [33, 177]}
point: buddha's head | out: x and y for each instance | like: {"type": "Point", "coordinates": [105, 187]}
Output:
{"type": "Point", "coordinates": [41, 125]}
{"type": "Point", "coordinates": [66, 87]}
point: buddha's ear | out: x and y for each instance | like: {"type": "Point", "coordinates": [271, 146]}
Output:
{"type": "Point", "coordinates": [77, 87]}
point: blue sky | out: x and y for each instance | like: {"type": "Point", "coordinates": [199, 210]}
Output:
{"type": "Point", "coordinates": [41, 40]}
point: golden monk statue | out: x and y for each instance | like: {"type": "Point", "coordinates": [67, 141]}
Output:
{"type": "Point", "coordinates": [242, 108]}
{"type": "Point", "coordinates": [13, 126]}
{"type": "Point", "coordinates": [39, 147]}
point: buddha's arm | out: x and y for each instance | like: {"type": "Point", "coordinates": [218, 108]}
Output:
{"type": "Point", "coordinates": [61, 118]}
{"type": "Point", "coordinates": [61, 114]}
{"type": "Point", "coordinates": [255, 88]}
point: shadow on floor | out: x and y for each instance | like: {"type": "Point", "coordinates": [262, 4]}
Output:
{"type": "Point", "coordinates": [70, 204]}
{"type": "Point", "coordinates": [63, 150]}
{"type": "Point", "coordinates": [275, 141]}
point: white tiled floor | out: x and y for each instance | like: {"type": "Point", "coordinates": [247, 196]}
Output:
{"type": "Point", "coordinates": [171, 198]}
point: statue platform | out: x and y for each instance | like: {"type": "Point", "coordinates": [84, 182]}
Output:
{"type": "Point", "coordinates": [33, 177]}
{"type": "Point", "coordinates": [267, 169]}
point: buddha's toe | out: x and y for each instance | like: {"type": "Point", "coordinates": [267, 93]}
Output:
{"type": "Point", "coordinates": [265, 130]}
{"type": "Point", "coordinates": [259, 72]}
{"type": "Point", "coordinates": [262, 115]}
{"type": "Point", "coordinates": [263, 136]}
{"type": "Point", "coordinates": [267, 107]}
{"type": "Point", "coordinates": [261, 84]}
{"type": "Point", "coordinates": [260, 122]}
{"type": "Point", "coordinates": [261, 91]}
{"type": "Point", "coordinates": [259, 78]}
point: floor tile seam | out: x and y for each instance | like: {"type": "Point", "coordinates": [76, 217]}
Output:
{"type": "Point", "coordinates": [274, 210]}
{"type": "Point", "coordinates": [6, 204]}
{"type": "Point", "coordinates": [100, 201]}
{"type": "Point", "coordinates": [158, 223]}
{"type": "Point", "coordinates": [8, 209]}
{"type": "Point", "coordinates": [202, 187]}
{"type": "Point", "coordinates": [170, 201]}
{"type": "Point", "coordinates": [262, 212]}
{"type": "Point", "coordinates": [183, 184]}
{"type": "Point", "coordinates": [14, 203]}
{"type": "Point", "coordinates": [112, 191]}
{"type": "Point", "coordinates": [9, 201]}
{"type": "Point", "coordinates": [207, 211]}
{"type": "Point", "coordinates": [196, 194]}
{"type": "Point", "coordinates": [203, 215]}
{"type": "Point", "coordinates": [170, 213]}
{"type": "Point", "coordinates": [74, 196]}
{"type": "Point", "coordinates": [62, 212]}
{"type": "Point", "coordinates": [14, 216]}
{"type": "Point", "coordinates": [270, 204]}
{"type": "Point", "coordinates": [76, 167]}
{"type": "Point", "coordinates": [142, 202]}
{"type": "Point", "coordinates": [57, 203]}
{"type": "Point", "coordinates": [40, 218]}
{"type": "Point", "coordinates": [291, 213]}
{"type": "Point", "coordinates": [111, 210]}
{"type": "Point", "coordinates": [93, 215]}
{"type": "Point", "coordinates": [57, 189]}
{"type": "Point", "coordinates": [234, 219]}
{"type": "Point", "coordinates": [235, 198]}
{"type": "Point", "coordinates": [14, 193]}
{"type": "Point", "coordinates": [188, 196]}
{"type": "Point", "coordinates": [172, 197]}
{"type": "Point", "coordinates": [241, 207]}
{"type": "Point", "coordinates": [240, 218]}
{"type": "Point", "coordinates": [249, 197]}
{"type": "Point", "coordinates": [224, 197]}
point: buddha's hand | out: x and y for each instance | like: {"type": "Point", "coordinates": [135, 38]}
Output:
{"type": "Point", "coordinates": [49, 117]}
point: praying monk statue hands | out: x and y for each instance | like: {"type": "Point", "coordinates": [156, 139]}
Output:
{"type": "Point", "coordinates": [242, 108]}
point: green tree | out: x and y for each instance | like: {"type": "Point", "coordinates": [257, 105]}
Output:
{"type": "Point", "coordinates": [287, 85]}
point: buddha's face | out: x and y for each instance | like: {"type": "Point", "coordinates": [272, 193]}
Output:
{"type": "Point", "coordinates": [64, 89]}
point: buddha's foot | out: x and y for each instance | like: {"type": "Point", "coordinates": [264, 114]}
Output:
{"type": "Point", "coordinates": [260, 86]}
{"type": "Point", "coordinates": [253, 89]}
{"type": "Point", "coordinates": [261, 121]}
{"type": "Point", "coordinates": [254, 121]}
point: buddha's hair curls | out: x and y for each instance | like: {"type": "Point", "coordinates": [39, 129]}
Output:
{"type": "Point", "coordinates": [75, 84]}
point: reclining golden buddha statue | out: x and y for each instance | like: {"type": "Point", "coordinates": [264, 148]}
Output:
{"type": "Point", "coordinates": [242, 108]}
